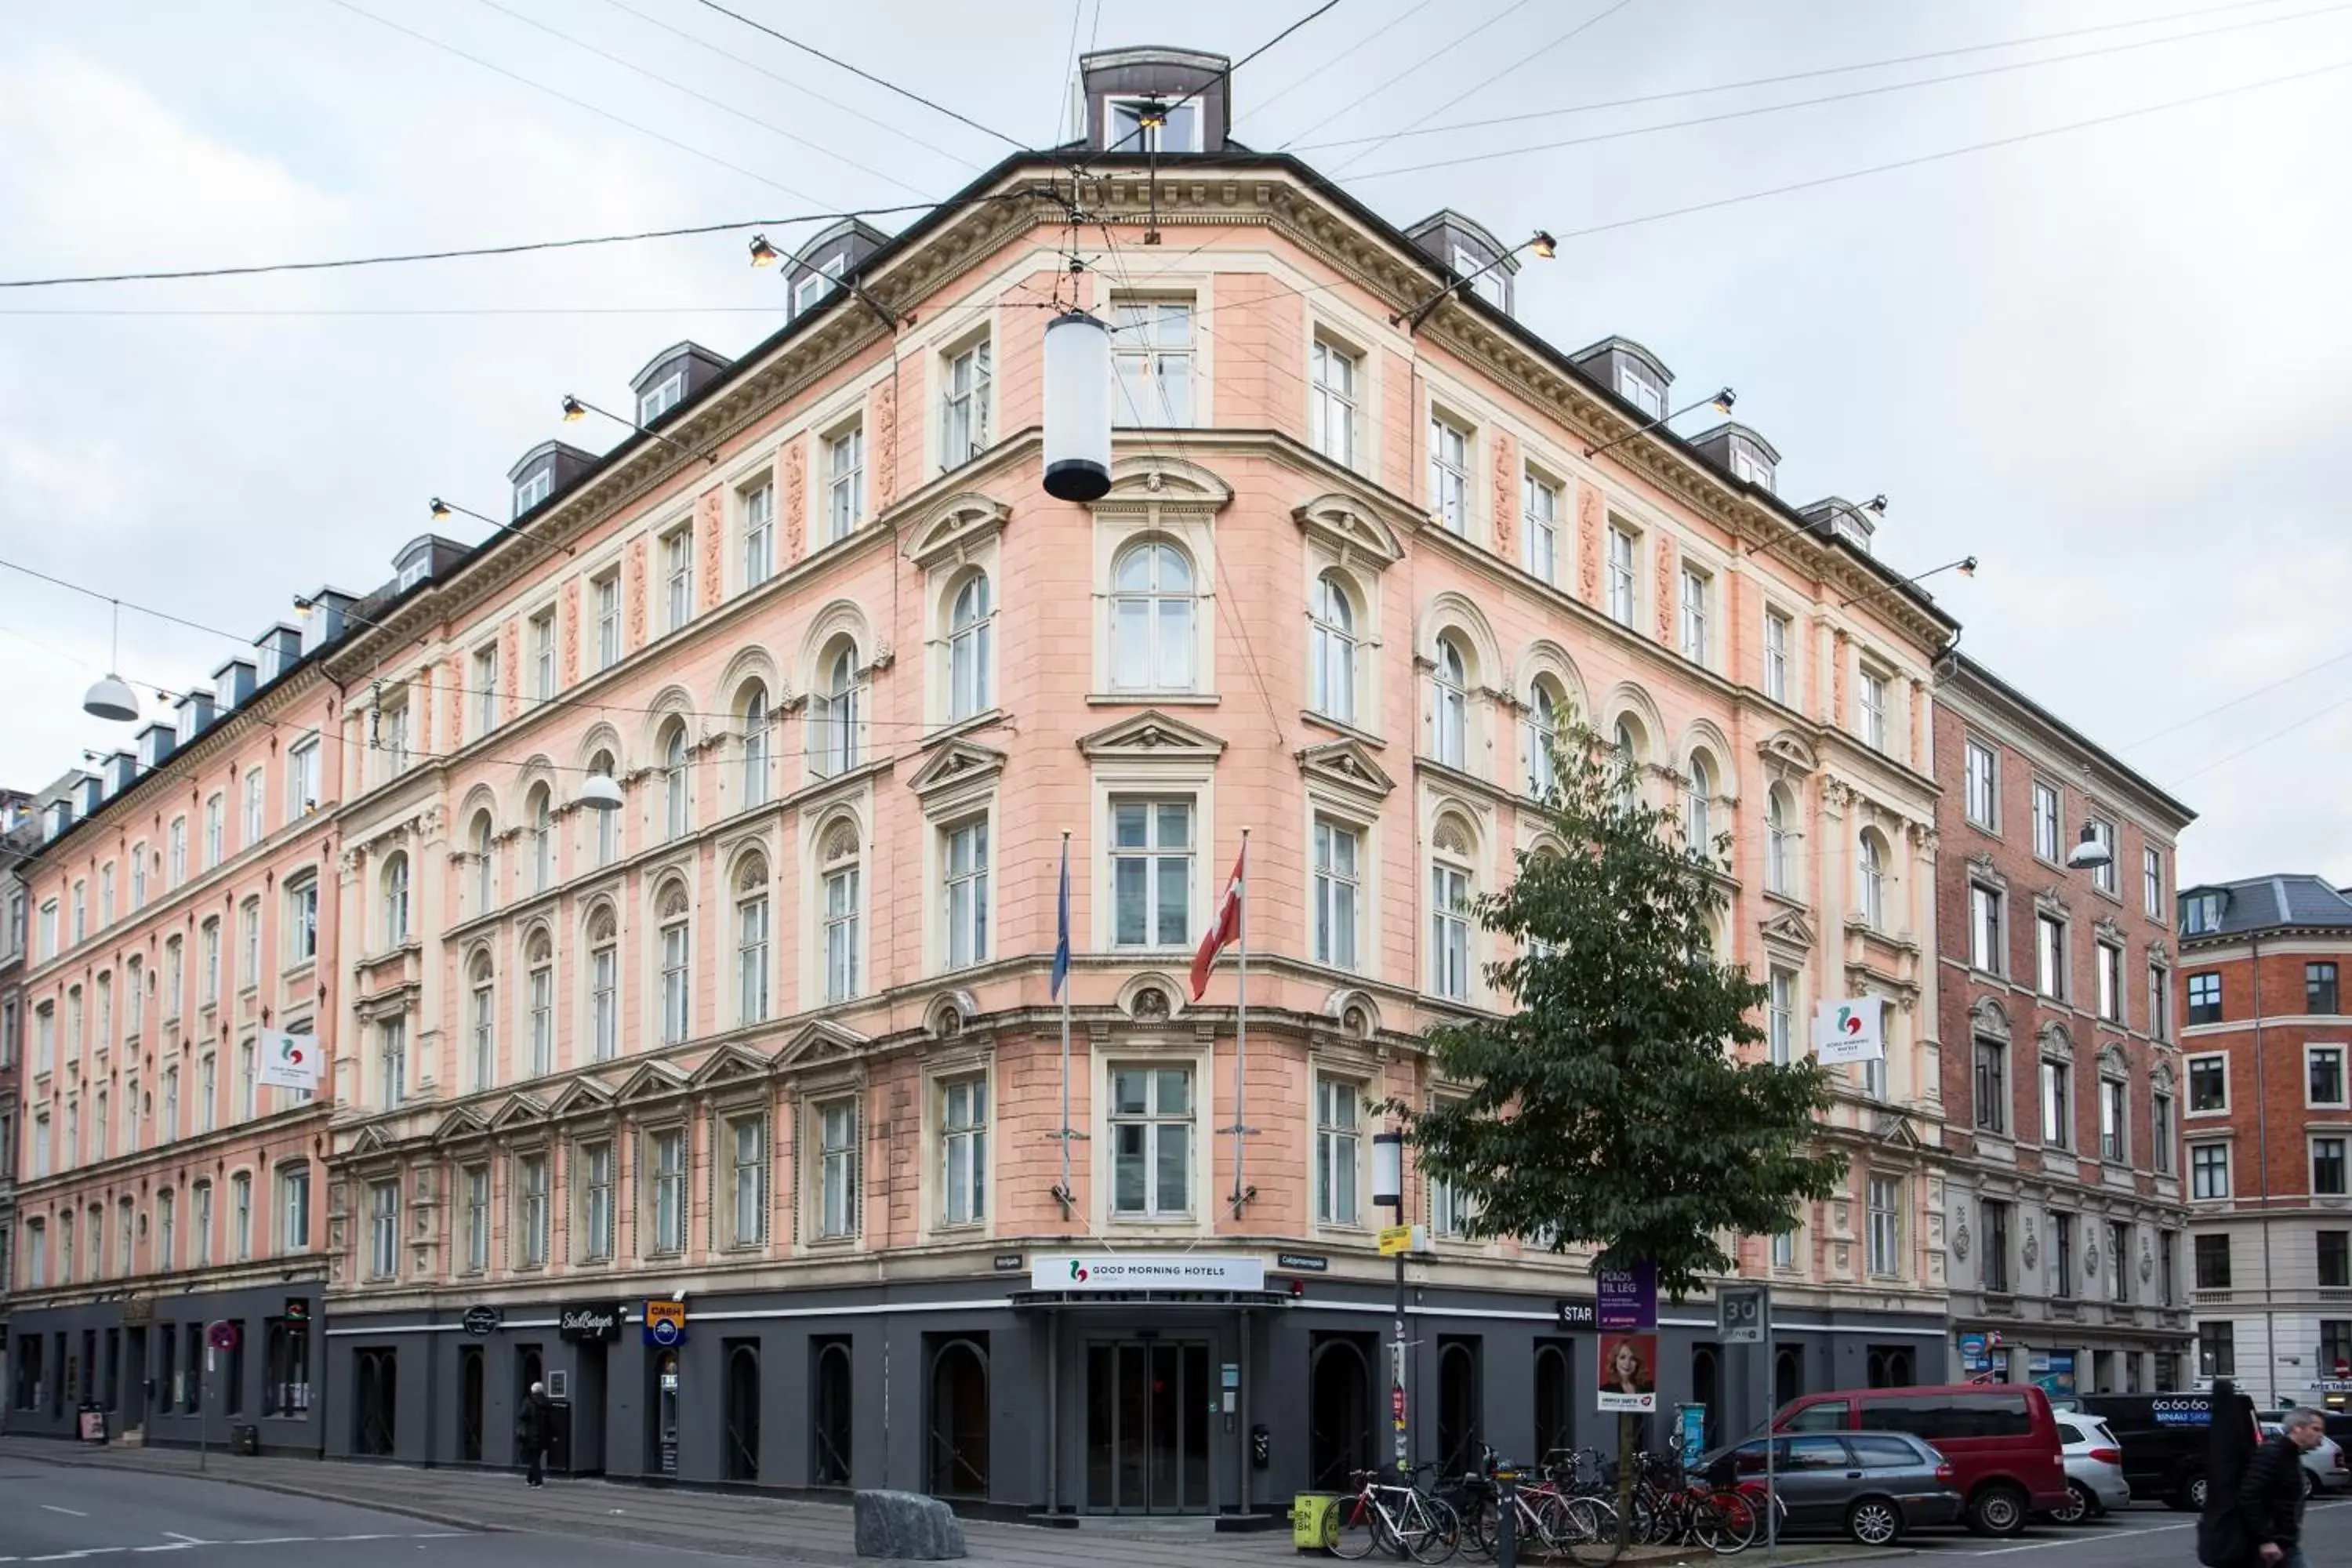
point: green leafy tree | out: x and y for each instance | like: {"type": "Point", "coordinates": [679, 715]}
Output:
{"type": "Point", "coordinates": [1612, 1108]}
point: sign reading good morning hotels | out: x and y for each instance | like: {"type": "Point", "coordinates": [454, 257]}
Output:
{"type": "Point", "coordinates": [1143, 1271]}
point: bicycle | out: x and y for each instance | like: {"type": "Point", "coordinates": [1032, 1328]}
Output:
{"type": "Point", "coordinates": [1404, 1519]}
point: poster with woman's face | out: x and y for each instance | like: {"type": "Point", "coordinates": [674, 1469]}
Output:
{"type": "Point", "coordinates": [1628, 1380]}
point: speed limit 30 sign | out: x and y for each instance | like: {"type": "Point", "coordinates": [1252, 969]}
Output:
{"type": "Point", "coordinates": [1739, 1311]}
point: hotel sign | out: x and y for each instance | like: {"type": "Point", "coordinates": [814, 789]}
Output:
{"type": "Point", "coordinates": [1133, 1271]}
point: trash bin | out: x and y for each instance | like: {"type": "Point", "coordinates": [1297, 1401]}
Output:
{"type": "Point", "coordinates": [245, 1439]}
{"type": "Point", "coordinates": [1314, 1522]}
{"type": "Point", "coordinates": [90, 1421]}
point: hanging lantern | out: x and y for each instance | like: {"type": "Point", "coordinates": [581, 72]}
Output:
{"type": "Point", "coordinates": [1077, 407]}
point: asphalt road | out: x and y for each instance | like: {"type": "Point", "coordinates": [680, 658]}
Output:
{"type": "Point", "coordinates": [2146, 1536]}
{"type": "Point", "coordinates": [72, 1513]}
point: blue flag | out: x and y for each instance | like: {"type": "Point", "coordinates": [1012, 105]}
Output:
{"type": "Point", "coordinates": [1061, 926]}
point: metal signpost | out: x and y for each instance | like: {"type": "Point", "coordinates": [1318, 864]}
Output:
{"type": "Point", "coordinates": [1743, 1316]}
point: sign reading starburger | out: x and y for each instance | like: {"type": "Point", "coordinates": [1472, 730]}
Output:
{"type": "Point", "coordinates": [601, 1320]}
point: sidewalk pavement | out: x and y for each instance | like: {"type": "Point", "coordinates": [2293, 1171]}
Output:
{"type": "Point", "coordinates": [737, 1525]}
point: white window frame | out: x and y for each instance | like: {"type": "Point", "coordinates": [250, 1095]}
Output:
{"type": "Point", "coordinates": [759, 504]}
{"type": "Point", "coordinates": [967, 392]}
{"type": "Point", "coordinates": [845, 481]}
{"type": "Point", "coordinates": [1156, 861]}
{"type": "Point", "coordinates": [662, 397]}
{"type": "Point", "coordinates": [747, 1175]}
{"type": "Point", "coordinates": [2200, 1189]}
{"type": "Point", "coordinates": [543, 669]}
{"type": "Point", "coordinates": [1453, 889]}
{"type": "Point", "coordinates": [1871, 707]}
{"type": "Point", "coordinates": [963, 891]}
{"type": "Point", "coordinates": [1981, 768]}
{"type": "Point", "coordinates": [1339, 1151]}
{"type": "Point", "coordinates": [1453, 459]}
{"type": "Point", "coordinates": [2048, 815]}
{"type": "Point", "coordinates": [1695, 588]}
{"type": "Point", "coordinates": [2189, 1066]}
{"type": "Point", "coordinates": [677, 578]}
{"type": "Point", "coordinates": [1624, 571]}
{"type": "Point", "coordinates": [1335, 389]}
{"type": "Point", "coordinates": [1337, 896]}
{"type": "Point", "coordinates": [534, 488]}
{"type": "Point", "coordinates": [1145, 360]}
{"type": "Point", "coordinates": [384, 1228]}
{"type": "Point", "coordinates": [1539, 498]}
{"type": "Point", "coordinates": [486, 689]}
{"type": "Point", "coordinates": [963, 1150]}
{"type": "Point", "coordinates": [610, 646]}
{"type": "Point", "coordinates": [2342, 1059]}
{"type": "Point", "coordinates": [1154, 1124]}
{"type": "Point", "coordinates": [840, 1172]}
{"type": "Point", "coordinates": [666, 1190]}
{"type": "Point", "coordinates": [1886, 1225]}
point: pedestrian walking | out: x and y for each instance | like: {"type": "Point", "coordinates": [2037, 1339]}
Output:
{"type": "Point", "coordinates": [531, 1433]}
{"type": "Point", "coordinates": [2270, 1499]}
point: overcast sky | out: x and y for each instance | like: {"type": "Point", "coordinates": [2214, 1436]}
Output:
{"type": "Point", "coordinates": [2106, 362]}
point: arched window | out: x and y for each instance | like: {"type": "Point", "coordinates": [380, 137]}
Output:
{"type": "Point", "coordinates": [971, 625]}
{"type": "Point", "coordinates": [486, 879]}
{"type": "Point", "coordinates": [1779, 841]}
{"type": "Point", "coordinates": [676, 980]}
{"type": "Point", "coordinates": [607, 823]}
{"type": "Point", "coordinates": [751, 941]}
{"type": "Point", "coordinates": [838, 866]}
{"type": "Point", "coordinates": [1872, 861]}
{"type": "Point", "coordinates": [1698, 807]}
{"type": "Point", "coordinates": [540, 955]}
{"type": "Point", "coordinates": [1151, 619]}
{"type": "Point", "coordinates": [678, 789]}
{"type": "Point", "coordinates": [604, 987]}
{"type": "Point", "coordinates": [833, 738]}
{"type": "Point", "coordinates": [1449, 910]}
{"type": "Point", "coordinates": [1332, 653]}
{"type": "Point", "coordinates": [542, 839]}
{"type": "Point", "coordinates": [481, 1034]}
{"type": "Point", "coordinates": [1628, 739]}
{"type": "Point", "coordinates": [395, 900]}
{"type": "Point", "coordinates": [1543, 729]}
{"type": "Point", "coordinates": [752, 709]}
{"type": "Point", "coordinates": [1451, 702]}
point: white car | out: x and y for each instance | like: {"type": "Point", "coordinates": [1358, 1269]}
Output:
{"type": "Point", "coordinates": [2094, 1468]}
{"type": "Point", "coordinates": [2323, 1467]}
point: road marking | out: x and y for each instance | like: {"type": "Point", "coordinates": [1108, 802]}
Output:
{"type": "Point", "coordinates": [184, 1540]}
{"type": "Point", "coordinates": [2077, 1539]}
{"type": "Point", "coordinates": [54, 1508]}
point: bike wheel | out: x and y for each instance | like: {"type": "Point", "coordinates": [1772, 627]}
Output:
{"type": "Point", "coordinates": [1354, 1529]}
{"type": "Point", "coordinates": [1589, 1531]}
{"type": "Point", "coordinates": [1433, 1531]}
{"type": "Point", "coordinates": [1737, 1522]}
{"type": "Point", "coordinates": [1480, 1520]}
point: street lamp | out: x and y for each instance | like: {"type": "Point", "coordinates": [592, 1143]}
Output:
{"type": "Point", "coordinates": [1540, 242]}
{"type": "Point", "coordinates": [600, 793]}
{"type": "Point", "coordinates": [1388, 1189]}
{"type": "Point", "coordinates": [442, 510]}
{"type": "Point", "coordinates": [1721, 402]}
{"type": "Point", "coordinates": [111, 697]}
{"type": "Point", "coordinates": [2090, 852]}
{"type": "Point", "coordinates": [575, 409]}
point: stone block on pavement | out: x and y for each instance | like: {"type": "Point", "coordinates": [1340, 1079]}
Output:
{"type": "Point", "coordinates": [907, 1526]}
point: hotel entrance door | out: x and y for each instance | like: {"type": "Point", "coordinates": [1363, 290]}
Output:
{"type": "Point", "coordinates": [1147, 1412]}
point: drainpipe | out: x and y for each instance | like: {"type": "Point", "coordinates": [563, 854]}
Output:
{"type": "Point", "coordinates": [2263, 1156]}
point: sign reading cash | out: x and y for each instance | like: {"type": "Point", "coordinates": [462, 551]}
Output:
{"type": "Point", "coordinates": [1127, 1271]}
{"type": "Point", "coordinates": [289, 1061]}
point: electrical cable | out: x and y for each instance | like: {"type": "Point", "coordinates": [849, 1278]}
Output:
{"type": "Point", "coordinates": [1420, 65]}
{"type": "Point", "coordinates": [2311, 718]}
{"type": "Point", "coordinates": [2242, 697]}
{"type": "Point", "coordinates": [1323, 68]}
{"type": "Point", "coordinates": [882, 82]}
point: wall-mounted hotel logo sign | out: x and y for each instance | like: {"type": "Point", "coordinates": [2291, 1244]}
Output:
{"type": "Point", "coordinates": [1129, 1271]}
{"type": "Point", "coordinates": [599, 1322]}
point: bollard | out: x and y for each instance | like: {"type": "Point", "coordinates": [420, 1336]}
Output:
{"type": "Point", "coordinates": [1506, 1516]}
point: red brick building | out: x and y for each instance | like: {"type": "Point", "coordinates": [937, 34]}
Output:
{"type": "Point", "coordinates": [2267, 1125]}
{"type": "Point", "coordinates": [2060, 1078]}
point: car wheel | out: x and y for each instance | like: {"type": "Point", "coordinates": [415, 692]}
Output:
{"type": "Point", "coordinates": [2310, 1484]}
{"type": "Point", "coordinates": [1875, 1522]}
{"type": "Point", "coordinates": [2080, 1505]}
{"type": "Point", "coordinates": [2192, 1496]}
{"type": "Point", "coordinates": [1997, 1511]}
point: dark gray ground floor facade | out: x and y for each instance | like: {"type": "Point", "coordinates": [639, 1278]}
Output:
{"type": "Point", "coordinates": [146, 1364]}
{"type": "Point", "coordinates": [989, 1392]}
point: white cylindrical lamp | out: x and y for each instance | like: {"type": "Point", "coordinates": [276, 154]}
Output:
{"type": "Point", "coordinates": [1388, 1170]}
{"type": "Point", "coordinates": [1077, 407]}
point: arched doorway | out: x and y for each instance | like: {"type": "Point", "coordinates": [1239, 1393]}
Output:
{"type": "Point", "coordinates": [1555, 1401]}
{"type": "Point", "coordinates": [829, 1450]}
{"type": "Point", "coordinates": [1787, 1375]}
{"type": "Point", "coordinates": [742, 1434]}
{"type": "Point", "coordinates": [1340, 1412]}
{"type": "Point", "coordinates": [1706, 1388]}
{"type": "Point", "coordinates": [1457, 1406]}
{"type": "Point", "coordinates": [375, 1402]}
{"type": "Point", "coordinates": [665, 1413]}
{"type": "Point", "coordinates": [469, 1406]}
{"type": "Point", "coordinates": [959, 1446]}
{"type": "Point", "coordinates": [1889, 1367]}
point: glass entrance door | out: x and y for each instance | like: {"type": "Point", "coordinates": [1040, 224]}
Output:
{"type": "Point", "coordinates": [1148, 1427]}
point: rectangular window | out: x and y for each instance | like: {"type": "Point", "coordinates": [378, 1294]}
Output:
{"type": "Point", "coordinates": [2324, 1075]}
{"type": "Point", "coordinates": [1337, 1114]}
{"type": "Point", "coordinates": [486, 689]}
{"type": "Point", "coordinates": [661, 398]}
{"type": "Point", "coordinates": [1336, 894]}
{"type": "Point", "coordinates": [837, 1169]}
{"type": "Point", "coordinates": [1885, 1235]}
{"type": "Point", "coordinates": [477, 1219]}
{"type": "Point", "coordinates": [676, 1023]}
{"type": "Point", "coordinates": [1331, 403]}
{"type": "Point", "coordinates": [1996, 1247]}
{"type": "Point", "coordinates": [2159, 1132]}
{"type": "Point", "coordinates": [543, 1019]}
{"type": "Point", "coordinates": [1780, 1029]}
{"type": "Point", "coordinates": [596, 1238]}
{"type": "Point", "coordinates": [482, 1030]}
{"type": "Point", "coordinates": [2105, 877]}
{"type": "Point", "coordinates": [844, 480]}
{"type": "Point", "coordinates": [966, 910]}
{"type": "Point", "coordinates": [1151, 354]}
{"type": "Point", "coordinates": [608, 620]}
{"type": "Point", "coordinates": [677, 578]}
{"type": "Point", "coordinates": [2045, 820]}
{"type": "Point", "coordinates": [2057, 1107]}
{"type": "Point", "coordinates": [964, 406]}
{"type": "Point", "coordinates": [2119, 1260]}
{"type": "Point", "coordinates": [2335, 1259]}
{"type": "Point", "coordinates": [1694, 616]}
{"type": "Point", "coordinates": [248, 941]}
{"type": "Point", "coordinates": [393, 1059]}
{"type": "Point", "coordinates": [530, 1181]}
{"type": "Point", "coordinates": [1873, 708]}
{"type": "Point", "coordinates": [1992, 1086]}
{"type": "Point", "coordinates": [2204, 1000]}
{"type": "Point", "coordinates": [302, 920]}
{"type": "Point", "coordinates": [2050, 955]}
{"type": "Point", "coordinates": [2319, 988]}
{"type": "Point", "coordinates": [175, 872]}
{"type": "Point", "coordinates": [2062, 1254]}
{"type": "Point", "coordinates": [2159, 1010]}
{"type": "Point", "coordinates": [542, 656]}
{"type": "Point", "coordinates": [752, 960]}
{"type": "Point", "coordinates": [2213, 1261]}
{"type": "Point", "coordinates": [1621, 577]}
{"type": "Point", "coordinates": [392, 737]}
{"type": "Point", "coordinates": [1152, 873]}
{"type": "Point", "coordinates": [2111, 983]}
{"type": "Point", "coordinates": [247, 1086]}
{"type": "Point", "coordinates": [758, 534]}
{"type": "Point", "coordinates": [2208, 1085]}
{"type": "Point", "coordinates": [2208, 1170]}
{"type": "Point", "coordinates": [534, 488]}
{"type": "Point", "coordinates": [255, 825]}
{"type": "Point", "coordinates": [748, 1182]}
{"type": "Point", "coordinates": [2217, 1350]}
{"type": "Point", "coordinates": [2335, 1343]}
{"type": "Point", "coordinates": [1982, 789]}
{"type": "Point", "coordinates": [1985, 946]}
{"type": "Point", "coordinates": [1776, 655]}
{"type": "Point", "coordinates": [1539, 501]}
{"type": "Point", "coordinates": [1152, 1141]}
{"type": "Point", "coordinates": [2114, 1120]}
{"type": "Point", "coordinates": [1449, 476]}
{"type": "Point", "coordinates": [1449, 932]}
{"type": "Point", "coordinates": [603, 1002]}
{"type": "Point", "coordinates": [200, 1236]}
{"type": "Point", "coordinates": [2151, 877]}
{"type": "Point", "coordinates": [963, 1152]}
{"type": "Point", "coordinates": [669, 1191]}
{"type": "Point", "coordinates": [1642, 389]}
{"type": "Point", "coordinates": [2327, 1167]}
{"type": "Point", "coordinates": [207, 1094]}
{"type": "Point", "coordinates": [383, 1229]}
{"type": "Point", "coordinates": [840, 935]}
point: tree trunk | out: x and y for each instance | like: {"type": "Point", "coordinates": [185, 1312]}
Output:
{"type": "Point", "coordinates": [1629, 1433]}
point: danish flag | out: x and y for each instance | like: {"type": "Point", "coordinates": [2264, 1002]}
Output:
{"type": "Point", "coordinates": [1227, 929]}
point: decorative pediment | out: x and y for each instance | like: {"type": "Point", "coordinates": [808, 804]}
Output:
{"type": "Point", "coordinates": [957, 764]}
{"type": "Point", "coordinates": [2159, 955]}
{"type": "Point", "coordinates": [2110, 929]}
{"type": "Point", "coordinates": [1352, 527]}
{"type": "Point", "coordinates": [2112, 1063]}
{"type": "Point", "coordinates": [459, 1125]}
{"type": "Point", "coordinates": [520, 1110]}
{"type": "Point", "coordinates": [1896, 1130]}
{"type": "Point", "coordinates": [652, 1080]}
{"type": "Point", "coordinates": [1989, 1018]}
{"type": "Point", "coordinates": [822, 1041]}
{"type": "Point", "coordinates": [2055, 1043]}
{"type": "Point", "coordinates": [1982, 869]}
{"type": "Point", "coordinates": [1345, 765]}
{"type": "Point", "coordinates": [2049, 900]}
{"type": "Point", "coordinates": [581, 1097]}
{"type": "Point", "coordinates": [372, 1140]}
{"type": "Point", "coordinates": [1788, 750]}
{"type": "Point", "coordinates": [952, 528]}
{"type": "Point", "coordinates": [1158, 485]}
{"type": "Point", "coordinates": [729, 1064]}
{"type": "Point", "coordinates": [1153, 735]}
{"type": "Point", "coordinates": [1790, 929]}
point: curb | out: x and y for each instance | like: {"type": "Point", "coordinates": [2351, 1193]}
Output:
{"type": "Point", "coordinates": [85, 1460]}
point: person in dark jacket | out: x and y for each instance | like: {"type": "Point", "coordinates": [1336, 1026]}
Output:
{"type": "Point", "coordinates": [531, 1432]}
{"type": "Point", "coordinates": [2270, 1499]}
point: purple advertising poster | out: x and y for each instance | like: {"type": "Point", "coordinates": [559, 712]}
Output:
{"type": "Point", "coordinates": [1629, 1298]}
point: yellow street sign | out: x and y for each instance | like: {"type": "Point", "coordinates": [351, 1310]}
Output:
{"type": "Point", "coordinates": [1395, 1238]}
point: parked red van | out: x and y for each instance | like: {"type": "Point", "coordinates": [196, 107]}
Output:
{"type": "Point", "coordinates": [2000, 1438]}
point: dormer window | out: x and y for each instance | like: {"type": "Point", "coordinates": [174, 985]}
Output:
{"type": "Point", "coordinates": [809, 290]}
{"type": "Point", "coordinates": [1640, 388]}
{"type": "Point", "coordinates": [1750, 467]}
{"type": "Point", "coordinates": [661, 398]}
{"type": "Point", "coordinates": [1492, 285]}
{"type": "Point", "coordinates": [417, 569]}
{"type": "Point", "coordinates": [532, 488]}
{"type": "Point", "coordinates": [1153, 125]}
{"type": "Point", "coordinates": [2200, 913]}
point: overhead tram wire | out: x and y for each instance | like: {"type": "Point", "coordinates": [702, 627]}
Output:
{"type": "Point", "coordinates": [1324, 67]}
{"type": "Point", "coordinates": [1418, 66]}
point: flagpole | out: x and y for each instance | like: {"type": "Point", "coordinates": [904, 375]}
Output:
{"type": "Point", "coordinates": [1066, 1191]}
{"type": "Point", "coordinates": [1241, 1038]}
